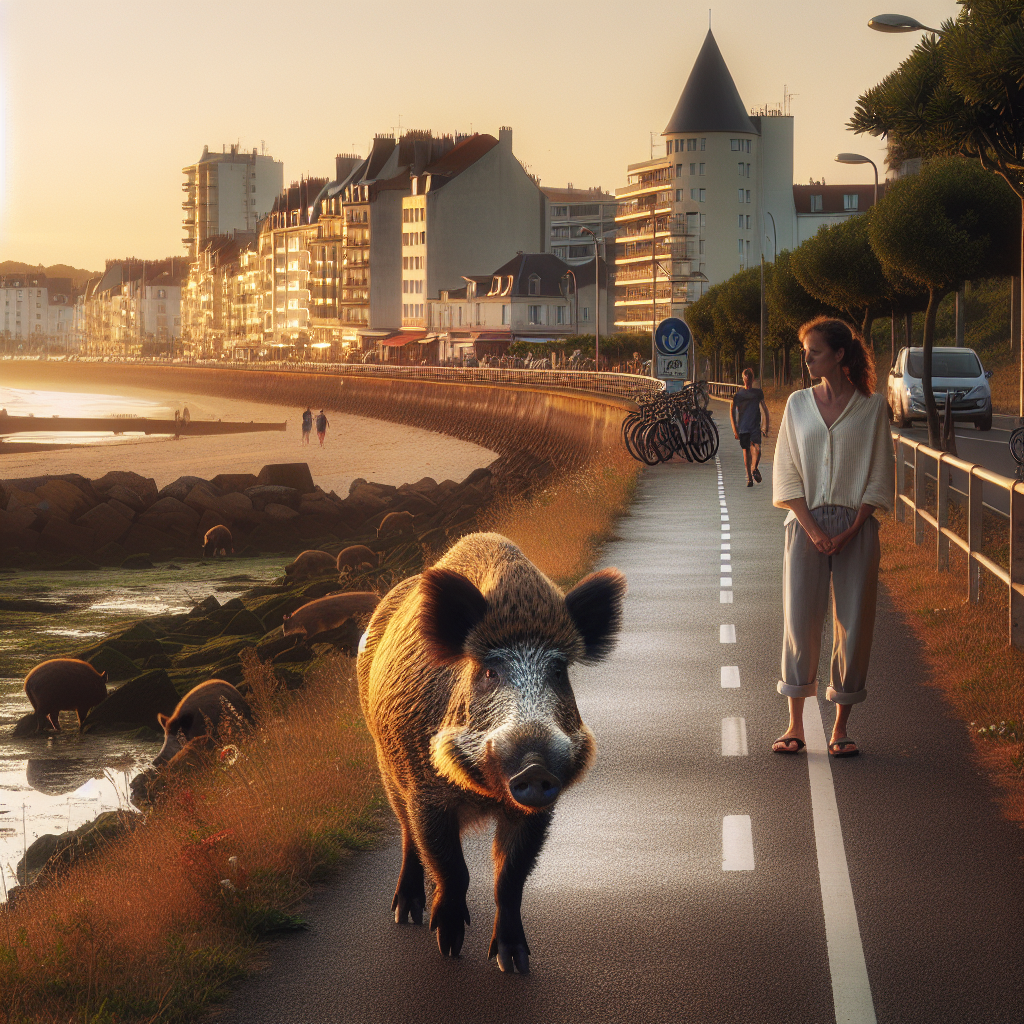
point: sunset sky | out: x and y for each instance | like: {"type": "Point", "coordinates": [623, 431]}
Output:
{"type": "Point", "coordinates": [102, 102]}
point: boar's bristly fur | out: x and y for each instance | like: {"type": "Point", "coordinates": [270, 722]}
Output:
{"type": "Point", "coordinates": [463, 679]}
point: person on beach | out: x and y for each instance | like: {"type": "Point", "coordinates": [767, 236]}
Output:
{"type": "Point", "coordinates": [833, 467]}
{"type": "Point", "coordinates": [307, 424]}
{"type": "Point", "coordinates": [321, 427]}
{"type": "Point", "coordinates": [745, 416]}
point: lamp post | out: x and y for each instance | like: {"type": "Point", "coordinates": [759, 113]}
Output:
{"type": "Point", "coordinates": [899, 23]}
{"type": "Point", "coordinates": [597, 298]}
{"type": "Point", "coordinates": [856, 158]}
{"type": "Point", "coordinates": [576, 292]}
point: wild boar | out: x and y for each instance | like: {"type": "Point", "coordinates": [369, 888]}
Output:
{"type": "Point", "coordinates": [355, 556]}
{"type": "Point", "coordinates": [211, 708]}
{"type": "Point", "coordinates": [463, 680]}
{"type": "Point", "coordinates": [311, 563]}
{"type": "Point", "coordinates": [396, 524]}
{"type": "Point", "coordinates": [218, 541]}
{"type": "Point", "coordinates": [64, 684]}
{"type": "Point", "coordinates": [194, 757]}
{"type": "Point", "coordinates": [329, 612]}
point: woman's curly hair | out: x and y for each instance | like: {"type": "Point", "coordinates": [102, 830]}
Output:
{"type": "Point", "coordinates": [858, 359]}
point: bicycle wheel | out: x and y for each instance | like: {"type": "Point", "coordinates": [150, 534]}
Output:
{"type": "Point", "coordinates": [704, 438]}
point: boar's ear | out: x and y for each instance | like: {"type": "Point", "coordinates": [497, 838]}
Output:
{"type": "Point", "coordinates": [450, 607]}
{"type": "Point", "coordinates": [163, 720]}
{"type": "Point", "coordinates": [595, 606]}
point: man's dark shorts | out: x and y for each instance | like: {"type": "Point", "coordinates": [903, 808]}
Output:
{"type": "Point", "coordinates": [747, 439]}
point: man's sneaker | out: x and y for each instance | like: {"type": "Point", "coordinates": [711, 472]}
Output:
{"type": "Point", "coordinates": [750, 483]}
{"type": "Point", "coordinates": [757, 475]}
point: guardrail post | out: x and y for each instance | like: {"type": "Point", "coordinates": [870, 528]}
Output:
{"type": "Point", "coordinates": [973, 535]}
{"type": "Point", "coordinates": [919, 486]}
{"type": "Point", "coordinates": [1017, 565]}
{"type": "Point", "coordinates": [941, 515]}
{"type": "Point", "coordinates": [900, 480]}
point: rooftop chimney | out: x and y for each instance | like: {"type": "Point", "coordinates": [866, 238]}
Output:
{"type": "Point", "coordinates": [505, 137]}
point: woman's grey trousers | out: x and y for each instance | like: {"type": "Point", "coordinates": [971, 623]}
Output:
{"type": "Point", "coordinates": [806, 574]}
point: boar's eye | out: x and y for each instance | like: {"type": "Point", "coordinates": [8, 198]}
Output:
{"type": "Point", "coordinates": [488, 679]}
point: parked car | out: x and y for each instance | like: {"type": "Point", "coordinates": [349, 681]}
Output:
{"type": "Point", "coordinates": [956, 370]}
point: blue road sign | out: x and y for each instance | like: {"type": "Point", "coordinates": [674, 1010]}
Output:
{"type": "Point", "coordinates": [672, 337]}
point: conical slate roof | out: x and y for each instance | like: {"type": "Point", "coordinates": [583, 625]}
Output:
{"type": "Point", "coordinates": [710, 101]}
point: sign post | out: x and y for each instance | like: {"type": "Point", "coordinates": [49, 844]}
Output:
{"type": "Point", "coordinates": [672, 346]}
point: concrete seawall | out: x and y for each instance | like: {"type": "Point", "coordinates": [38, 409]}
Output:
{"type": "Point", "coordinates": [560, 425]}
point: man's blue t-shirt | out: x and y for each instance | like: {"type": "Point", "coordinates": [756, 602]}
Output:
{"type": "Point", "coordinates": [748, 403]}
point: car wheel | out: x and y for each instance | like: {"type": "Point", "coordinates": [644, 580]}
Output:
{"type": "Point", "coordinates": [984, 422]}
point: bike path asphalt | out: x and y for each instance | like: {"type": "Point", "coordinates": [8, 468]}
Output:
{"type": "Point", "coordinates": [684, 883]}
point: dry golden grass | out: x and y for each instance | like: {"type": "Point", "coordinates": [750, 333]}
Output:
{"type": "Point", "coordinates": [562, 527]}
{"type": "Point", "coordinates": [967, 651]}
{"type": "Point", "coordinates": [155, 928]}
{"type": "Point", "coordinates": [1005, 385]}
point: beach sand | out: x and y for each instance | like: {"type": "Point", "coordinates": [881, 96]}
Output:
{"type": "Point", "coordinates": [386, 453]}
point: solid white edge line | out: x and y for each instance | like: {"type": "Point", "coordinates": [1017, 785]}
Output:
{"type": "Point", "coordinates": [734, 737]}
{"type": "Point", "coordinates": [851, 988]}
{"type": "Point", "coordinates": [737, 843]}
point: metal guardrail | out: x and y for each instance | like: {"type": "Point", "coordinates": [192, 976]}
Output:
{"type": "Point", "coordinates": [621, 385]}
{"type": "Point", "coordinates": [719, 389]}
{"type": "Point", "coordinates": [977, 476]}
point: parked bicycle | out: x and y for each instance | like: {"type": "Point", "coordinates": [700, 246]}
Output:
{"type": "Point", "coordinates": [666, 425]}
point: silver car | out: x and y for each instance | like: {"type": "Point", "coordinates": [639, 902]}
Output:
{"type": "Point", "coordinates": [955, 370]}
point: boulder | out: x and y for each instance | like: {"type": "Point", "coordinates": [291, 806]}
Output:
{"type": "Point", "coordinates": [202, 498]}
{"type": "Point", "coordinates": [135, 704]}
{"type": "Point", "coordinates": [288, 474]}
{"type": "Point", "coordinates": [62, 537]}
{"type": "Point", "coordinates": [117, 665]}
{"type": "Point", "coordinates": [93, 836]}
{"type": "Point", "coordinates": [18, 516]}
{"type": "Point", "coordinates": [233, 482]}
{"type": "Point", "coordinates": [64, 498]}
{"type": "Point", "coordinates": [143, 539]}
{"type": "Point", "coordinates": [106, 522]}
{"type": "Point", "coordinates": [280, 512]}
{"type": "Point", "coordinates": [274, 536]}
{"type": "Point", "coordinates": [121, 508]}
{"type": "Point", "coordinates": [35, 857]}
{"type": "Point", "coordinates": [181, 487]}
{"type": "Point", "coordinates": [110, 555]}
{"type": "Point", "coordinates": [236, 506]}
{"type": "Point", "coordinates": [169, 514]}
{"type": "Point", "coordinates": [143, 487]}
{"type": "Point", "coordinates": [265, 494]}
{"type": "Point", "coordinates": [126, 497]}
{"type": "Point", "coordinates": [13, 535]}
{"type": "Point", "coordinates": [17, 497]}
{"type": "Point", "coordinates": [243, 623]}
{"type": "Point", "coordinates": [27, 725]}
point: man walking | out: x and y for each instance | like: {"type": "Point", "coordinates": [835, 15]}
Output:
{"type": "Point", "coordinates": [307, 425]}
{"type": "Point", "coordinates": [321, 426]}
{"type": "Point", "coordinates": [745, 415]}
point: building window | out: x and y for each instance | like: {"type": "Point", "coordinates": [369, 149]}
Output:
{"type": "Point", "coordinates": [740, 220]}
{"type": "Point", "coordinates": [850, 202]}
{"type": "Point", "coordinates": [740, 166]}
{"type": "Point", "coordinates": [534, 314]}
{"type": "Point", "coordinates": [741, 246]}
{"type": "Point", "coordinates": [741, 195]}
{"type": "Point", "coordinates": [580, 251]}
{"type": "Point", "coordinates": [748, 221]}
{"type": "Point", "coordinates": [703, 222]}
{"type": "Point", "coordinates": [748, 195]}
{"type": "Point", "coordinates": [559, 314]}
{"type": "Point", "coordinates": [668, 148]}
{"type": "Point", "coordinates": [559, 211]}
{"type": "Point", "coordinates": [460, 316]}
{"type": "Point", "coordinates": [534, 285]}
{"type": "Point", "coordinates": [586, 314]}
{"type": "Point", "coordinates": [560, 251]}
{"type": "Point", "coordinates": [702, 194]}
{"type": "Point", "coordinates": [748, 170]}
{"type": "Point", "coordinates": [701, 250]}
{"type": "Point", "coordinates": [702, 166]}
{"type": "Point", "coordinates": [815, 204]}
{"type": "Point", "coordinates": [478, 312]}
{"type": "Point", "coordinates": [734, 145]}
{"type": "Point", "coordinates": [506, 314]}
{"type": "Point", "coordinates": [703, 142]}
{"type": "Point", "coordinates": [560, 232]}
{"type": "Point", "coordinates": [693, 194]}
{"type": "Point", "coordinates": [679, 170]}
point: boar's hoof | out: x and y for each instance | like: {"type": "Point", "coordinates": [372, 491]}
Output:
{"type": "Point", "coordinates": [513, 958]}
{"type": "Point", "coordinates": [450, 923]}
{"type": "Point", "coordinates": [508, 943]}
{"type": "Point", "coordinates": [534, 787]}
{"type": "Point", "coordinates": [405, 906]}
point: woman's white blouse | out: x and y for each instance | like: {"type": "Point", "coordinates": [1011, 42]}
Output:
{"type": "Point", "coordinates": [849, 463]}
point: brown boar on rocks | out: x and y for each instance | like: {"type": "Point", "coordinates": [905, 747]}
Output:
{"type": "Point", "coordinates": [218, 541]}
{"type": "Point", "coordinates": [64, 684]}
{"type": "Point", "coordinates": [354, 557]}
{"type": "Point", "coordinates": [463, 680]}
{"type": "Point", "coordinates": [396, 524]}
{"type": "Point", "coordinates": [329, 612]}
{"type": "Point", "coordinates": [311, 563]}
{"type": "Point", "coordinates": [213, 708]}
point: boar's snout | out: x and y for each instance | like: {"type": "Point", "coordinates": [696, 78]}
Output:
{"type": "Point", "coordinates": [534, 787]}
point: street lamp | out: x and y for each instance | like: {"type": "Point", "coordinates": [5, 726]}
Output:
{"type": "Point", "coordinates": [597, 294]}
{"type": "Point", "coordinates": [856, 158]}
{"type": "Point", "coordinates": [576, 292]}
{"type": "Point", "coordinates": [899, 23]}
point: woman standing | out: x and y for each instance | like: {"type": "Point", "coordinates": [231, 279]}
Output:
{"type": "Point", "coordinates": [833, 468]}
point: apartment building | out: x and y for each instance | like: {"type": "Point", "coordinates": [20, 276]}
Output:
{"type": "Point", "coordinates": [227, 192]}
{"type": "Point", "coordinates": [37, 310]}
{"type": "Point", "coordinates": [818, 204]}
{"type": "Point", "coordinates": [702, 211]}
{"type": "Point", "coordinates": [134, 308]}
{"type": "Point", "coordinates": [217, 305]}
{"type": "Point", "coordinates": [572, 210]}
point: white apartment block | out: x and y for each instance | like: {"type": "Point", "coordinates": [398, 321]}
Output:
{"type": "Point", "coordinates": [227, 192]}
{"type": "Point", "coordinates": [572, 210]}
{"type": "Point", "coordinates": [37, 309]}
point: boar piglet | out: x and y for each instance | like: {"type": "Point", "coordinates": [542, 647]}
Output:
{"type": "Point", "coordinates": [464, 683]}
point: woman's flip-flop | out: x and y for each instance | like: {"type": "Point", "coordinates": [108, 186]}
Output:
{"type": "Point", "coordinates": [787, 740]}
{"type": "Point", "coordinates": [838, 748]}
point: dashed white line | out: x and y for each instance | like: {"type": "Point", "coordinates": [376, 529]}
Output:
{"type": "Point", "coordinates": [725, 597]}
{"type": "Point", "coordinates": [727, 633]}
{"type": "Point", "coordinates": [734, 737]}
{"type": "Point", "coordinates": [726, 547]}
{"type": "Point", "coordinates": [737, 843]}
{"type": "Point", "coordinates": [730, 677]}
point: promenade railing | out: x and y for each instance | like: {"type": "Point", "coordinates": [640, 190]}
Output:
{"type": "Point", "coordinates": [621, 385]}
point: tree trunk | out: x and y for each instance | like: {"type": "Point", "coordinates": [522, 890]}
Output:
{"type": "Point", "coordinates": [908, 325]}
{"type": "Point", "coordinates": [892, 342]}
{"type": "Point", "coordinates": [931, 410]}
{"type": "Point", "coordinates": [865, 330]}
